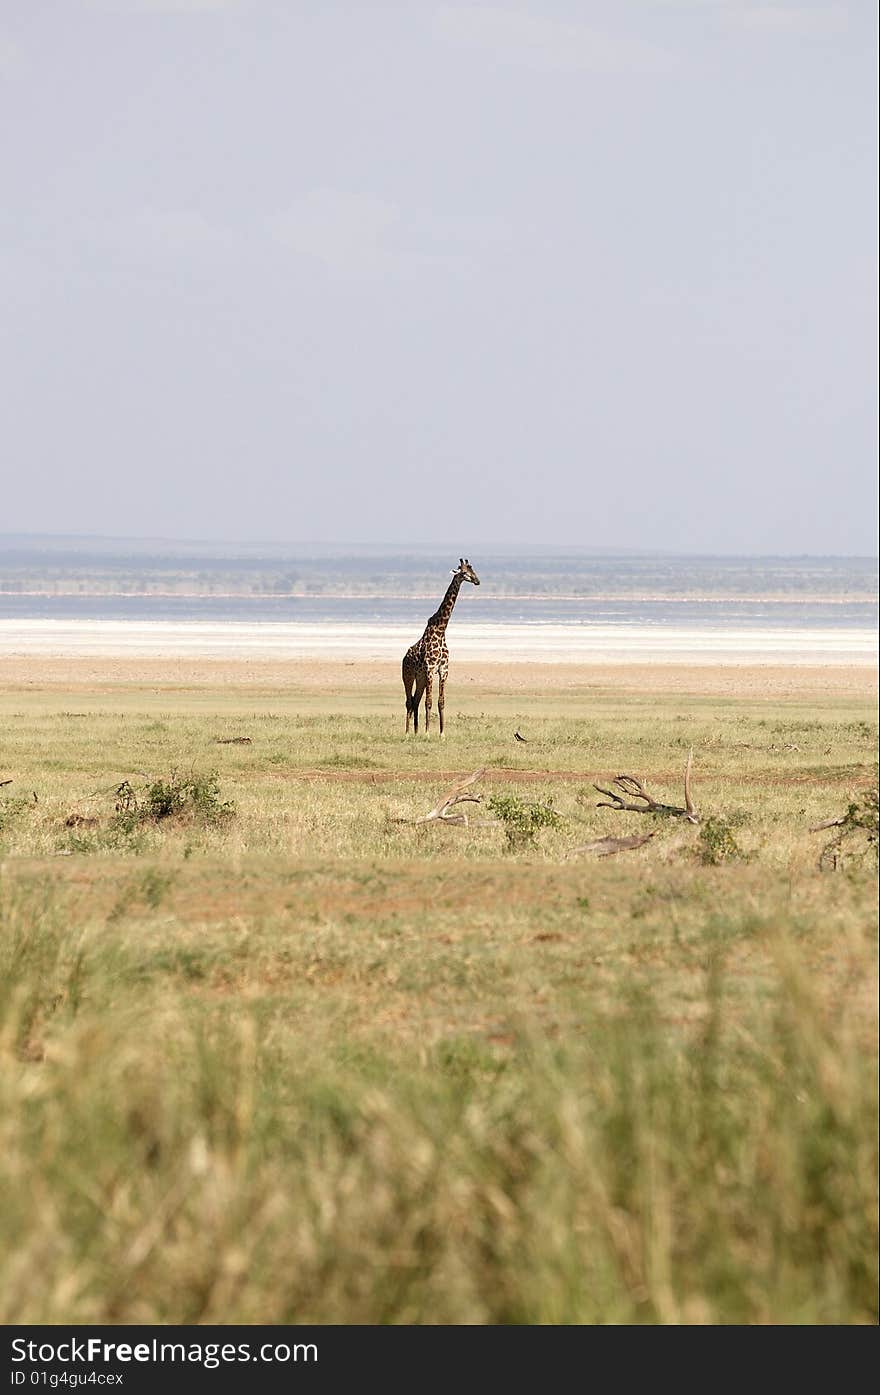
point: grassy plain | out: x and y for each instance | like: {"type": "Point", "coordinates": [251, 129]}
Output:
{"type": "Point", "coordinates": [309, 1063]}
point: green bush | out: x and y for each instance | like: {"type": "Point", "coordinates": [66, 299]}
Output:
{"type": "Point", "coordinates": [718, 844]}
{"type": "Point", "coordinates": [522, 822]}
{"type": "Point", "coordinates": [856, 835]}
{"type": "Point", "coordinates": [180, 796]}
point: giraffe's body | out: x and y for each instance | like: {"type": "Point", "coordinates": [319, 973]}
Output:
{"type": "Point", "coordinates": [428, 658]}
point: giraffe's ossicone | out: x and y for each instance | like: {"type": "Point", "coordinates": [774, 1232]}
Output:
{"type": "Point", "coordinates": [429, 657]}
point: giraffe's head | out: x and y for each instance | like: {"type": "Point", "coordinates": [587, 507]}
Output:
{"type": "Point", "coordinates": [466, 571]}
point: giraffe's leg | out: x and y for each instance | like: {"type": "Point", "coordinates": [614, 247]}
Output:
{"type": "Point", "coordinates": [429, 700]}
{"type": "Point", "coordinates": [407, 688]}
{"type": "Point", "coordinates": [416, 699]}
{"type": "Point", "coordinates": [442, 675]}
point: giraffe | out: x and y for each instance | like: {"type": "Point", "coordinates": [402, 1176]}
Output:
{"type": "Point", "coordinates": [429, 656]}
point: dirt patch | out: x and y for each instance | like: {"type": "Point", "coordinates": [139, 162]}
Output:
{"type": "Point", "coordinates": [423, 777]}
{"type": "Point", "coordinates": [510, 776]}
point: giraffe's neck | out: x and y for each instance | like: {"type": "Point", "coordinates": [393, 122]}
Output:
{"type": "Point", "coordinates": [440, 619]}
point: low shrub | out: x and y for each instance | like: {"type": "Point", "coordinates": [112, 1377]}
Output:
{"type": "Point", "coordinates": [856, 834]}
{"type": "Point", "coordinates": [189, 796]}
{"type": "Point", "coordinates": [718, 844]}
{"type": "Point", "coordinates": [522, 822]}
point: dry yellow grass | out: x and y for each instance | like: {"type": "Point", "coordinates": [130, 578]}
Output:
{"type": "Point", "coordinates": [312, 1064]}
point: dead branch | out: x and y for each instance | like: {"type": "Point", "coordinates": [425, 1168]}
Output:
{"type": "Point", "coordinates": [233, 740]}
{"type": "Point", "coordinates": [126, 798]}
{"type": "Point", "coordinates": [605, 847]}
{"type": "Point", "coordinates": [7, 782]}
{"type": "Point", "coordinates": [690, 808]}
{"type": "Point", "coordinates": [859, 821]}
{"type": "Point", "coordinates": [459, 794]}
{"type": "Point", "coordinates": [630, 788]}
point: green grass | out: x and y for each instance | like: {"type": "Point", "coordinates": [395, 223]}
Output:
{"type": "Point", "coordinates": [306, 1063]}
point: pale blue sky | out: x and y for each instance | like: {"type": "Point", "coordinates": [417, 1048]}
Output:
{"type": "Point", "coordinates": [600, 274]}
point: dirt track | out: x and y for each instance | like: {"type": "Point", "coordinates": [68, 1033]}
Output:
{"type": "Point", "coordinates": [508, 775]}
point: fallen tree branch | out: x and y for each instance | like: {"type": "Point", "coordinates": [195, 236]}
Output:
{"type": "Point", "coordinates": [630, 788]}
{"type": "Point", "coordinates": [459, 794]}
{"type": "Point", "coordinates": [859, 822]}
{"type": "Point", "coordinates": [605, 847]}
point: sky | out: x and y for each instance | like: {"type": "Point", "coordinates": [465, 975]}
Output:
{"type": "Point", "coordinates": [552, 272]}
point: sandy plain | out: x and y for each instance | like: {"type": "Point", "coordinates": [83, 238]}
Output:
{"type": "Point", "coordinates": [468, 680]}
